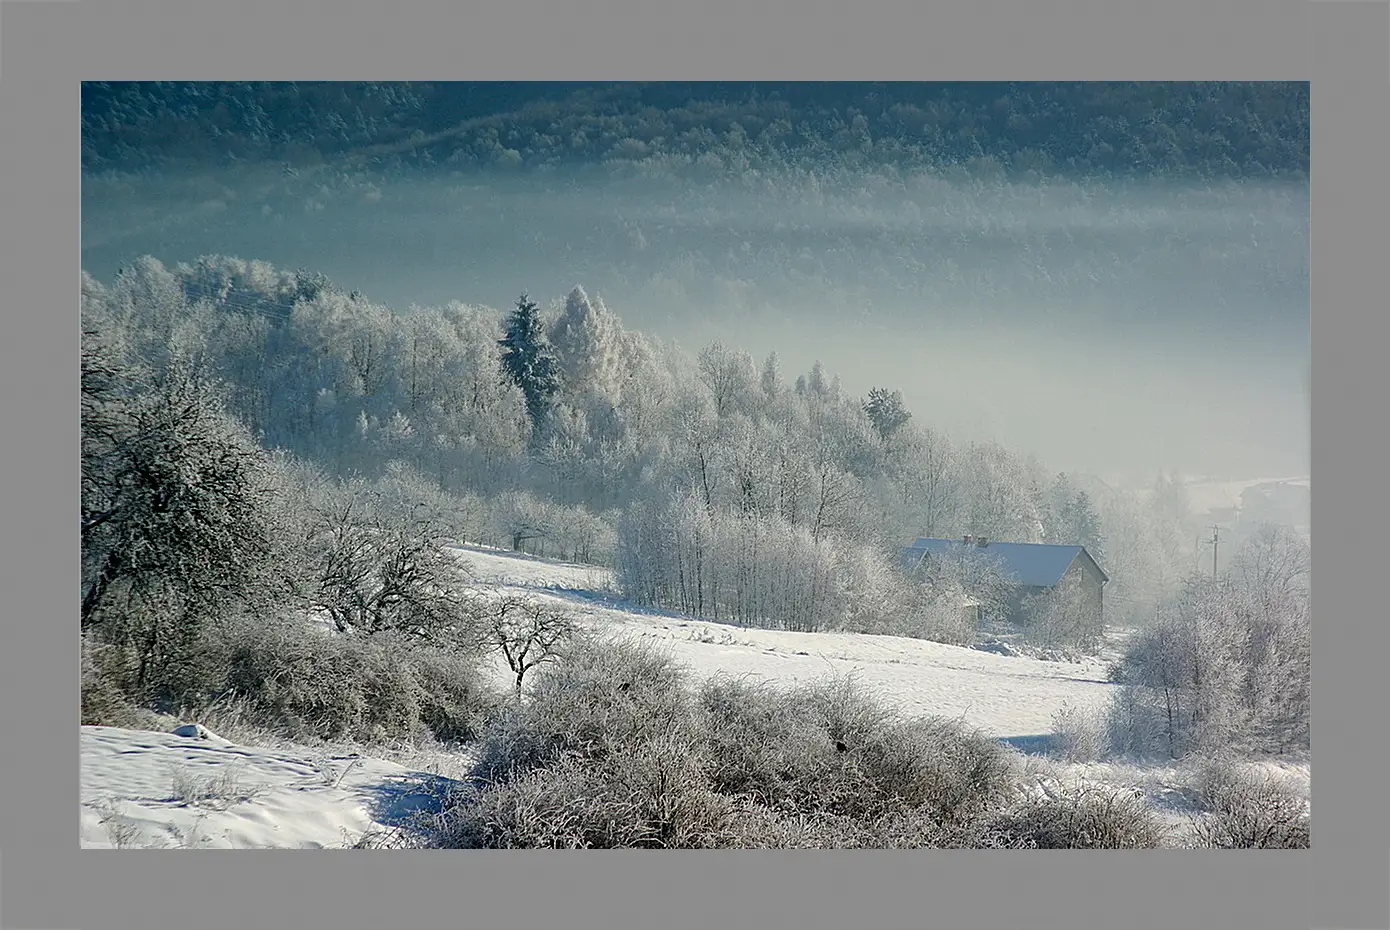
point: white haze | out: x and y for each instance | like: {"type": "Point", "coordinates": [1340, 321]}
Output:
{"type": "Point", "coordinates": [1104, 329]}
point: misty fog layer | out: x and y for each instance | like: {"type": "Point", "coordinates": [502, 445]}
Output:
{"type": "Point", "coordinates": [1116, 328]}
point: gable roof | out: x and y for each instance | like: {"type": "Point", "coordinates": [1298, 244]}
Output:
{"type": "Point", "coordinates": [1036, 565]}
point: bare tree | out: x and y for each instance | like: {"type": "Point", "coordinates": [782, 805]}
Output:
{"type": "Point", "coordinates": [527, 632]}
{"type": "Point", "coordinates": [378, 568]}
{"type": "Point", "coordinates": [1274, 563]}
{"type": "Point", "coordinates": [729, 375]}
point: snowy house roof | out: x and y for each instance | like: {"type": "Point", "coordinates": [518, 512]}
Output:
{"type": "Point", "coordinates": [1036, 565]}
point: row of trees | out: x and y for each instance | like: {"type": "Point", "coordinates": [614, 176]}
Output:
{"type": "Point", "coordinates": [756, 570]}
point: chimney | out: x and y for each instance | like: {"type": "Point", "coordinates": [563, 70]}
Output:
{"type": "Point", "coordinates": [982, 541]}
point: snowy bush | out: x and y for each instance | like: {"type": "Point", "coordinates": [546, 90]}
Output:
{"type": "Point", "coordinates": [614, 750]}
{"type": "Point", "coordinates": [305, 684]}
{"type": "Point", "coordinates": [604, 698]}
{"type": "Point", "coordinates": [1079, 734]}
{"type": "Point", "coordinates": [104, 703]}
{"type": "Point", "coordinates": [1250, 810]}
{"type": "Point", "coordinates": [830, 748]}
{"type": "Point", "coordinates": [1082, 817]}
{"type": "Point", "coordinates": [455, 703]}
{"type": "Point", "coordinates": [655, 798]}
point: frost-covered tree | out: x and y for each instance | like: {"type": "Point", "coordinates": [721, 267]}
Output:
{"type": "Point", "coordinates": [1071, 518]}
{"type": "Point", "coordinates": [816, 385]}
{"type": "Point", "coordinates": [1271, 572]}
{"type": "Point", "coordinates": [1273, 564]}
{"type": "Point", "coordinates": [919, 492]}
{"type": "Point", "coordinates": [886, 411]}
{"type": "Point", "coordinates": [174, 523]}
{"type": "Point", "coordinates": [695, 433]}
{"type": "Point", "coordinates": [145, 303]}
{"type": "Point", "coordinates": [962, 577]}
{"type": "Point", "coordinates": [588, 342]}
{"type": "Point", "coordinates": [728, 374]}
{"type": "Point", "coordinates": [997, 499]}
{"type": "Point", "coordinates": [770, 377]}
{"type": "Point", "coordinates": [377, 565]}
{"type": "Point", "coordinates": [1222, 668]}
{"type": "Point", "coordinates": [754, 570]}
{"type": "Point", "coordinates": [521, 518]}
{"type": "Point", "coordinates": [1086, 522]}
{"type": "Point", "coordinates": [529, 360]}
{"type": "Point", "coordinates": [1065, 618]}
{"type": "Point", "coordinates": [1171, 522]}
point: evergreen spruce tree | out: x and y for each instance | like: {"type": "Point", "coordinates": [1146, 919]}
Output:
{"type": "Point", "coordinates": [770, 380]}
{"type": "Point", "coordinates": [1086, 524]}
{"type": "Point", "coordinates": [886, 411]}
{"type": "Point", "coordinates": [528, 359]}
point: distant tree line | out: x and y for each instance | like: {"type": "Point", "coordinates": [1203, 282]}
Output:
{"type": "Point", "coordinates": [1109, 129]}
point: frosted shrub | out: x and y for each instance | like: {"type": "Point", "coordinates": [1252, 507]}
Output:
{"type": "Point", "coordinates": [104, 704]}
{"type": "Point", "coordinates": [611, 748]}
{"type": "Point", "coordinates": [1250, 810]}
{"type": "Point", "coordinates": [602, 698]}
{"type": "Point", "coordinates": [1079, 734]}
{"type": "Point", "coordinates": [1082, 817]}
{"type": "Point", "coordinates": [305, 684]}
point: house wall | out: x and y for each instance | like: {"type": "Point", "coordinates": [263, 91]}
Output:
{"type": "Point", "coordinates": [1081, 578]}
{"type": "Point", "coordinates": [1088, 584]}
{"type": "Point", "coordinates": [1017, 607]}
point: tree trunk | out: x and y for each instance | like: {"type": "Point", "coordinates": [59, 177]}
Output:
{"type": "Point", "coordinates": [97, 591]}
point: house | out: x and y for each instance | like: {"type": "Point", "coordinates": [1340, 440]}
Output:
{"type": "Point", "coordinates": [1030, 578]}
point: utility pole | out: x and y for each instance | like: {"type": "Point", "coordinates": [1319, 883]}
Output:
{"type": "Point", "coordinates": [1215, 531]}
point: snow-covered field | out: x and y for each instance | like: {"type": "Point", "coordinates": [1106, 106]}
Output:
{"type": "Point", "coordinates": [142, 789]}
{"type": "Point", "coordinates": [148, 789]}
{"type": "Point", "coordinates": [501, 567]}
{"type": "Point", "coordinates": [1006, 696]}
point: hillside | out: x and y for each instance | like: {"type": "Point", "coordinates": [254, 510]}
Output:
{"type": "Point", "coordinates": [142, 788]}
{"type": "Point", "coordinates": [1006, 696]}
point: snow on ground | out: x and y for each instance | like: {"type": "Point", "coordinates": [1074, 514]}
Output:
{"type": "Point", "coordinates": [1169, 788]}
{"type": "Point", "coordinates": [143, 789]}
{"type": "Point", "coordinates": [1007, 696]}
{"type": "Point", "coordinates": [149, 789]}
{"type": "Point", "coordinates": [500, 567]}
